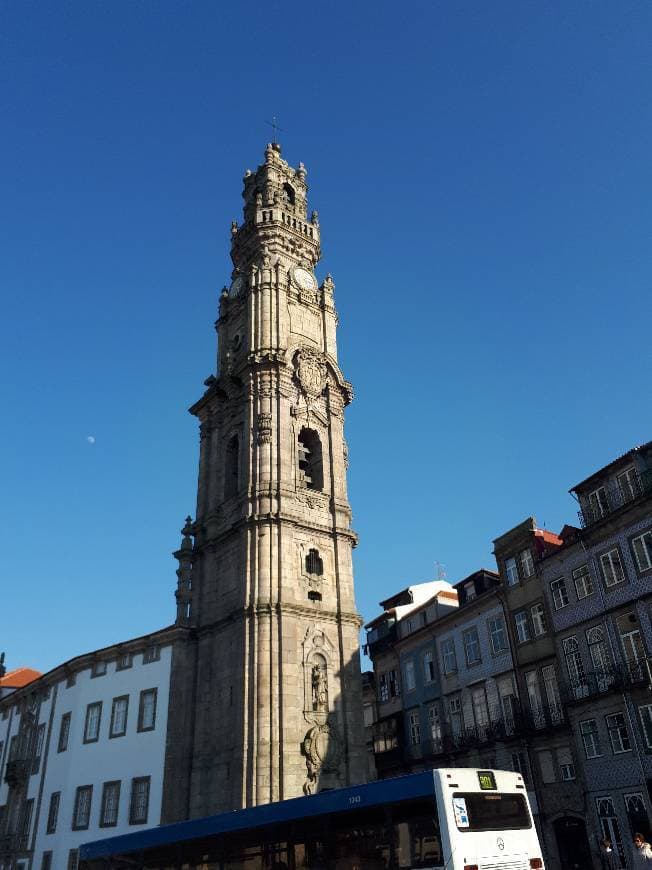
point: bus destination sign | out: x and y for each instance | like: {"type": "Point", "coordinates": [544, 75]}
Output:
{"type": "Point", "coordinates": [487, 780]}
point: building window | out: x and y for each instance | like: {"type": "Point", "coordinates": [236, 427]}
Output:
{"type": "Point", "coordinates": [599, 657]}
{"type": "Point", "coordinates": [472, 646]}
{"type": "Point", "coordinates": [479, 703]}
{"type": "Point", "coordinates": [497, 634]}
{"type": "Point", "coordinates": [53, 812]}
{"type": "Point", "coordinates": [448, 656]}
{"type": "Point", "coordinates": [415, 728]}
{"type": "Point", "coordinates": [628, 484]}
{"type": "Point", "coordinates": [82, 812]}
{"type": "Point", "coordinates": [547, 766]}
{"type": "Point", "coordinates": [409, 626]}
{"type": "Point", "coordinates": [538, 620]}
{"type": "Point", "coordinates": [511, 571]}
{"type": "Point", "coordinates": [559, 593]}
{"type": "Point", "coordinates": [64, 732]}
{"type": "Point", "coordinates": [612, 568]}
{"type": "Point", "coordinates": [151, 654]}
{"type": "Point", "coordinates": [598, 503]}
{"type": "Point", "coordinates": [428, 667]}
{"type": "Point", "coordinates": [231, 467]}
{"type": "Point", "coordinates": [583, 582]}
{"type": "Point", "coordinates": [434, 725]}
{"type": "Point", "coordinates": [520, 765]}
{"type": "Point", "coordinates": [632, 643]}
{"type": "Point", "coordinates": [46, 861]}
{"type": "Point", "coordinates": [124, 662]}
{"type": "Point", "coordinates": [609, 825]}
{"type": "Point", "coordinates": [92, 724]}
{"type": "Point", "coordinates": [314, 563]}
{"type": "Point", "coordinates": [139, 803]}
{"type": "Point", "coordinates": [527, 563]}
{"type": "Point", "coordinates": [590, 738]}
{"type": "Point", "coordinates": [575, 667]}
{"type": "Point", "coordinates": [522, 627]}
{"type": "Point", "coordinates": [38, 752]}
{"type": "Point", "coordinates": [645, 713]}
{"type": "Point", "coordinates": [71, 679]}
{"type": "Point", "coordinates": [469, 591]}
{"type": "Point", "coordinates": [383, 688]}
{"type": "Point", "coordinates": [410, 681]}
{"type": "Point", "coordinates": [73, 859]}
{"type": "Point", "coordinates": [147, 710]}
{"type": "Point", "coordinates": [618, 733]}
{"type": "Point", "coordinates": [455, 713]}
{"type": "Point", "coordinates": [110, 804]}
{"type": "Point", "coordinates": [642, 548]}
{"type": "Point", "coordinates": [566, 766]}
{"type": "Point", "coordinates": [98, 669]}
{"type": "Point", "coordinates": [311, 472]}
{"type": "Point", "coordinates": [119, 711]}
{"type": "Point", "coordinates": [637, 812]}
{"type": "Point", "coordinates": [394, 688]}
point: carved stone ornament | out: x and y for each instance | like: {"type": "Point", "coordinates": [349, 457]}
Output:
{"type": "Point", "coordinates": [264, 426]}
{"type": "Point", "coordinates": [311, 372]}
{"type": "Point", "coordinates": [323, 751]}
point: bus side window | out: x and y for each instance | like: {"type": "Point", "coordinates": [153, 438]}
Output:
{"type": "Point", "coordinates": [417, 838]}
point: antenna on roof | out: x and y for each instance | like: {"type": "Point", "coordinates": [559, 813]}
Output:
{"type": "Point", "coordinates": [441, 570]}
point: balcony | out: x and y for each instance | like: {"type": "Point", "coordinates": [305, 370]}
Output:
{"type": "Point", "coordinates": [10, 844]}
{"type": "Point", "coordinates": [619, 678]}
{"type": "Point", "coordinates": [614, 496]}
{"type": "Point", "coordinates": [17, 771]}
{"type": "Point", "coordinates": [381, 637]}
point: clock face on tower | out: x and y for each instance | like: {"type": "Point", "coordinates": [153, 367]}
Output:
{"type": "Point", "coordinates": [236, 285]}
{"type": "Point", "coordinates": [304, 279]}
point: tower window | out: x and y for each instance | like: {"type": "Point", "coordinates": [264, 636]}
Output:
{"type": "Point", "coordinates": [311, 472]}
{"type": "Point", "coordinates": [314, 563]}
{"type": "Point", "coordinates": [231, 466]}
{"type": "Point", "coordinates": [288, 193]}
{"type": "Point", "coordinates": [313, 595]}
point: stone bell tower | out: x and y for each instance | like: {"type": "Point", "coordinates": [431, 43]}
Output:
{"type": "Point", "coordinates": [266, 687]}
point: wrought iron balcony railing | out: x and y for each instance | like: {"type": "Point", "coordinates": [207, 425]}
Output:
{"type": "Point", "coordinates": [614, 496]}
{"type": "Point", "coordinates": [617, 678]}
{"type": "Point", "coordinates": [10, 844]}
{"type": "Point", "coordinates": [17, 771]}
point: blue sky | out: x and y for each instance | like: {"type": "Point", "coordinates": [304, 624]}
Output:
{"type": "Point", "coordinates": [482, 176]}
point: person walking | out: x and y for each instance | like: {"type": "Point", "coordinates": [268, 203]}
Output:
{"type": "Point", "coordinates": [642, 856]}
{"type": "Point", "coordinates": [609, 858]}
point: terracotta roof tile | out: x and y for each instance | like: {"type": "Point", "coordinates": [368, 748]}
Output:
{"type": "Point", "coordinates": [19, 678]}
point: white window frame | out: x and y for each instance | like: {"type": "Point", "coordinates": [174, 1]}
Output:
{"type": "Point", "coordinates": [471, 634]}
{"type": "Point", "coordinates": [447, 654]}
{"type": "Point", "coordinates": [538, 616]}
{"type": "Point", "coordinates": [496, 625]}
{"type": "Point", "coordinates": [645, 715]}
{"type": "Point", "coordinates": [410, 676]}
{"type": "Point", "coordinates": [598, 503]}
{"type": "Point", "coordinates": [511, 571]}
{"type": "Point", "coordinates": [527, 563]}
{"type": "Point", "coordinates": [621, 731]}
{"type": "Point", "coordinates": [583, 581]}
{"type": "Point", "coordinates": [594, 738]}
{"type": "Point", "coordinates": [414, 720]}
{"type": "Point", "coordinates": [434, 723]}
{"type": "Point", "coordinates": [522, 627]}
{"type": "Point", "coordinates": [469, 590]}
{"type": "Point", "coordinates": [611, 566]}
{"type": "Point", "coordinates": [645, 547]}
{"type": "Point", "coordinates": [628, 484]}
{"type": "Point", "coordinates": [429, 673]}
{"type": "Point", "coordinates": [93, 722]}
{"type": "Point", "coordinates": [559, 593]}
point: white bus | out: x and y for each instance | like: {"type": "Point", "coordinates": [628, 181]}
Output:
{"type": "Point", "coordinates": [443, 819]}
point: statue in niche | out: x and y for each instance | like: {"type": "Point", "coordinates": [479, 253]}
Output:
{"type": "Point", "coordinates": [319, 688]}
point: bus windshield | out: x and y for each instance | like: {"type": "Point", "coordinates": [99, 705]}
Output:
{"type": "Point", "coordinates": [478, 811]}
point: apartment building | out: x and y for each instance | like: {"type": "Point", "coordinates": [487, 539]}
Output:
{"type": "Point", "coordinates": [598, 588]}
{"type": "Point", "coordinates": [82, 752]}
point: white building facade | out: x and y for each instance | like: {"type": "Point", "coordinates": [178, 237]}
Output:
{"type": "Point", "coordinates": [82, 753]}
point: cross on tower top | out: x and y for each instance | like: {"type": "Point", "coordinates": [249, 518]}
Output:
{"type": "Point", "coordinates": [275, 127]}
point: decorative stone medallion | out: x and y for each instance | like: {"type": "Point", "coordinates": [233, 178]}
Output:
{"type": "Point", "coordinates": [311, 373]}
